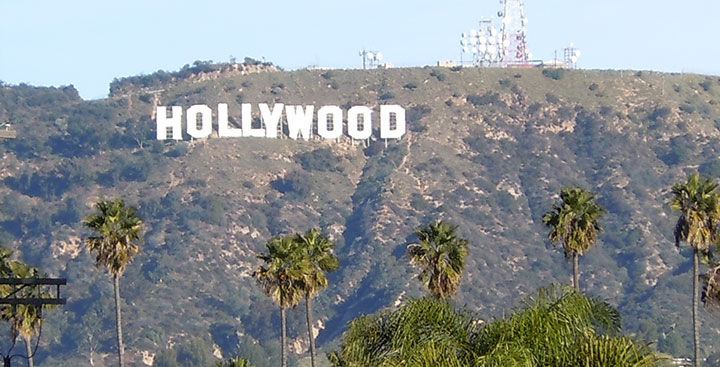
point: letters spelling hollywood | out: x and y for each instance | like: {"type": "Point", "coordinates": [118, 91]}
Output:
{"type": "Point", "coordinates": [199, 124]}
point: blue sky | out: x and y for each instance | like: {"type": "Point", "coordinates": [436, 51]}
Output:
{"type": "Point", "coordinates": [87, 43]}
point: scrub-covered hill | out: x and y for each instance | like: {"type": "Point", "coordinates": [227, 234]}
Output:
{"type": "Point", "coordinates": [486, 149]}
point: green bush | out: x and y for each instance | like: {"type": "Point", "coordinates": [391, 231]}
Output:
{"type": "Point", "coordinates": [557, 327]}
{"type": "Point", "coordinates": [386, 96]}
{"type": "Point", "coordinates": [555, 73]}
{"type": "Point", "coordinates": [321, 159]}
{"type": "Point", "coordinates": [410, 86]}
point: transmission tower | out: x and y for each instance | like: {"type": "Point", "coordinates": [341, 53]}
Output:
{"type": "Point", "coordinates": [513, 43]}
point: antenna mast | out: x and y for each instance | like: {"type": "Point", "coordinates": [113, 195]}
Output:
{"type": "Point", "coordinates": [513, 33]}
{"type": "Point", "coordinates": [503, 48]}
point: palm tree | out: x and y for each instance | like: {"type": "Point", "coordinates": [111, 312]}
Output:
{"type": "Point", "coordinates": [317, 249]}
{"type": "Point", "coordinates": [25, 319]}
{"type": "Point", "coordinates": [699, 205]}
{"type": "Point", "coordinates": [118, 231]}
{"type": "Point", "coordinates": [574, 224]}
{"type": "Point", "coordinates": [234, 362]}
{"type": "Point", "coordinates": [440, 254]}
{"type": "Point", "coordinates": [557, 327]}
{"type": "Point", "coordinates": [279, 278]}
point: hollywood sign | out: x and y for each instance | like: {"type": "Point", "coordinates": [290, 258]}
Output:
{"type": "Point", "coordinates": [300, 122]}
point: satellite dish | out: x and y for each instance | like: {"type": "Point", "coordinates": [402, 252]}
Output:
{"type": "Point", "coordinates": [463, 42]}
{"type": "Point", "coordinates": [507, 21]}
{"type": "Point", "coordinates": [482, 48]}
{"type": "Point", "coordinates": [474, 50]}
{"type": "Point", "coordinates": [500, 14]}
{"type": "Point", "coordinates": [463, 35]}
{"type": "Point", "coordinates": [492, 49]}
{"type": "Point", "coordinates": [482, 40]}
{"type": "Point", "coordinates": [465, 49]}
{"type": "Point", "coordinates": [506, 43]}
{"type": "Point", "coordinates": [574, 59]}
{"type": "Point", "coordinates": [379, 56]}
{"type": "Point", "coordinates": [369, 55]}
{"type": "Point", "coordinates": [473, 33]}
{"type": "Point", "coordinates": [523, 20]}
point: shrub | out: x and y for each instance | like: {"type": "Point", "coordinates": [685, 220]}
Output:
{"type": "Point", "coordinates": [555, 74]}
{"type": "Point", "coordinates": [660, 113]}
{"type": "Point", "coordinates": [321, 159]}
{"type": "Point", "coordinates": [410, 86]}
{"type": "Point", "coordinates": [386, 96]}
{"type": "Point", "coordinates": [485, 99]}
{"type": "Point", "coordinates": [295, 185]}
{"type": "Point", "coordinates": [551, 98]}
{"type": "Point", "coordinates": [438, 74]}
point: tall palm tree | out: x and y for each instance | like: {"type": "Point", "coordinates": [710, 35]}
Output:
{"type": "Point", "coordinates": [699, 205]}
{"type": "Point", "coordinates": [574, 224]}
{"type": "Point", "coordinates": [317, 249]}
{"type": "Point", "coordinates": [118, 232]}
{"type": "Point", "coordinates": [25, 319]}
{"type": "Point", "coordinates": [279, 278]}
{"type": "Point", "coordinates": [440, 254]}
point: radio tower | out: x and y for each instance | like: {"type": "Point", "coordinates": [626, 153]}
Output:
{"type": "Point", "coordinates": [513, 46]}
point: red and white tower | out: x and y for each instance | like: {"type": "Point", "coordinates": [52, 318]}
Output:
{"type": "Point", "coordinates": [513, 44]}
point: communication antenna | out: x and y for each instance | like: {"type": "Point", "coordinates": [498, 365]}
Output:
{"type": "Point", "coordinates": [571, 56]}
{"type": "Point", "coordinates": [513, 35]}
{"type": "Point", "coordinates": [503, 46]}
{"type": "Point", "coordinates": [371, 58]}
{"type": "Point", "coordinates": [481, 44]}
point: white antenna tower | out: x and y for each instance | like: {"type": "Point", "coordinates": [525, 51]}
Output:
{"type": "Point", "coordinates": [504, 47]}
{"type": "Point", "coordinates": [513, 43]}
{"type": "Point", "coordinates": [371, 58]}
{"type": "Point", "coordinates": [483, 44]}
{"type": "Point", "coordinates": [571, 56]}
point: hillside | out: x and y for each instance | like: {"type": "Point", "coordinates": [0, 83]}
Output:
{"type": "Point", "coordinates": [486, 149]}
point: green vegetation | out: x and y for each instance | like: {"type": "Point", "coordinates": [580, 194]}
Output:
{"type": "Point", "coordinates": [574, 224]}
{"type": "Point", "coordinates": [558, 327]}
{"type": "Point", "coordinates": [234, 362]}
{"type": "Point", "coordinates": [699, 205]}
{"type": "Point", "coordinates": [117, 230]}
{"type": "Point", "coordinates": [25, 320]}
{"type": "Point", "coordinates": [440, 256]}
{"type": "Point", "coordinates": [280, 279]}
{"type": "Point", "coordinates": [316, 254]}
{"type": "Point", "coordinates": [295, 266]}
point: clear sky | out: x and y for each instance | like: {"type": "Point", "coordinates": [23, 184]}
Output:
{"type": "Point", "coordinates": [87, 43]}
